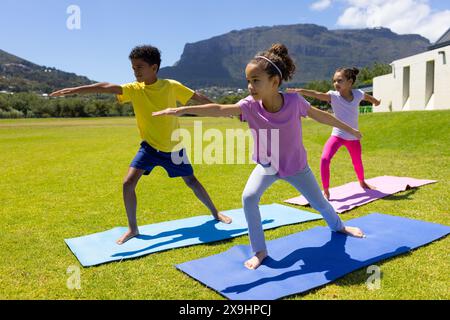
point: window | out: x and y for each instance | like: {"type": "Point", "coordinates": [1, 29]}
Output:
{"type": "Point", "coordinates": [406, 83]}
{"type": "Point", "coordinates": [429, 88]}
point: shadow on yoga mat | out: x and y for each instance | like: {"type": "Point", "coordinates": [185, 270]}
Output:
{"type": "Point", "coordinates": [310, 259]}
{"type": "Point", "coordinates": [351, 195]}
{"type": "Point", "coordinates": [101, 247]}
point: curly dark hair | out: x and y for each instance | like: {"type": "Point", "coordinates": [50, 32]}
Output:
{"type": "Point", "coordinates": [279, 55]}
{"type": "Point", "coordinates": [149, 54]}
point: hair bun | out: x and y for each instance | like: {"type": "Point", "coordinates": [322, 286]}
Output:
{"type": "Point", "coordinates": [279, 64]}
{"type": "Point", "coordinates": [279, 49]}
{"type": "Point", "coordinates": [355, 71]}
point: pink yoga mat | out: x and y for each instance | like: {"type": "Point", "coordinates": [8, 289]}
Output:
{"type": "Point", "coordinates": [351, 195]}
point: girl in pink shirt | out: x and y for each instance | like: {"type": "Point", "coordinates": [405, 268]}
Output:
{"type": "Point", "coordinates": [275, 121]}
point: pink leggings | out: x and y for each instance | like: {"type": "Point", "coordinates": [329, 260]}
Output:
{"type": "Point", "coordinates": [329, 150]}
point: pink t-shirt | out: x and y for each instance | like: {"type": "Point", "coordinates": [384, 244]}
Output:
{"type": "Point", "coordinates": [277, 136]}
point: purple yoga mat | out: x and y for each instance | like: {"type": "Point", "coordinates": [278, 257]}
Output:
{"type": "Point", "coordinates": [351, 195]}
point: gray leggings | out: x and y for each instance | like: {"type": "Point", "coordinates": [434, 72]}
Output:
{"type": "Point", "coordinates": [303, 181]}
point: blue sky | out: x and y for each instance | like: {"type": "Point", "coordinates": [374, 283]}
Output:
{"type": "Point", "coordinates": [36, 30]}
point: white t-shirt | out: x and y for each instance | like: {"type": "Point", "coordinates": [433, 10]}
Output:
{"type": "Point", "coordinates": [347, 112]}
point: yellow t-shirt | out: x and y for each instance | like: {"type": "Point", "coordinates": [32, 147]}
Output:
{"type": "Point", "coordinates": [157, 131]}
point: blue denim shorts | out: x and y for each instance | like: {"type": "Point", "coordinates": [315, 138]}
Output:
{"type": "Point", "coordinates": [175, 163]}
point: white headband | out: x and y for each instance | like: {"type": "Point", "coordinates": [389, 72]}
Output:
{"type": "Point", "coordinates": [272, 63]}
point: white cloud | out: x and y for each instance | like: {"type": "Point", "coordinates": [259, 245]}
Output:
{"type": "Point", "coordinates": [320, 5]}
{"type": "Point", "coordinates": [401, 16]}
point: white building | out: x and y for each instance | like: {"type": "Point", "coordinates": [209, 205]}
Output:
{"type": "Point", "coordinates": [420, 82]}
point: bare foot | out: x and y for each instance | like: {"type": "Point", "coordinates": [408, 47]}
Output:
{"type": "Point", "coordinates": [354, 232]}
{"type": "Point", "coordinates": [127, 236]}
{"type": "Point", "coordinates": [364, 185]}
{"type": "Point", "coordinates": [326, 193]}
{"type": "Point", "coordinates": [254, 262]}
{"type": "Point", "coordinates": [223, 218]}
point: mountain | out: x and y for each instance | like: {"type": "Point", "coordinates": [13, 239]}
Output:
{"type": "Point", "coordinates": [221, 60]}
{"type": "Point", "coordinates": [17, 75]}
{"type": "Point", "coordinates": [318, 52]}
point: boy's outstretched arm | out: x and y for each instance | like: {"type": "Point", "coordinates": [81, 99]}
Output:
{"type": "Point", "coordinates": [102, 87]}
{"type": "Point", "coordinates": [312, 94]}
{"type": "Point", "coordinates": [200, 98]}
{"type": "Point", "coordinates": [207, 110]}
{"type": "Point", "coordinates": [372, 100]}
{"type": "Point", "coordinates": [328, 119]}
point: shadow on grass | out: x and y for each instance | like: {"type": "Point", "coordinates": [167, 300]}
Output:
{"type": "Point", "coordinates": [406, 195]}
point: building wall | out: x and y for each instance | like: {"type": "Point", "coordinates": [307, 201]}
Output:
{"type": "Point", "coordinates": [383, 89]}
{"type": "Point", "coordinates": [426, 88]}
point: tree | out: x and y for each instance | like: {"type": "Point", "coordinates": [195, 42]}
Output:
{"type": "Point", "coordinates": [367, 74]}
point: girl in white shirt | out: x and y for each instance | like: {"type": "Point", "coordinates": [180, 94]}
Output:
{"type": "Point", "coordinates": [345, 104]}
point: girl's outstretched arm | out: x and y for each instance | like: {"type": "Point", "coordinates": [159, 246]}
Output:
{"type": "Point", "coordinates": [102, 87]}
{"type": "Point", "coordinates": [328, 119]}
{"type": "Point", "coordinates": [372, 100]}
{"type": "Point", "coordinates": [207, 110]}
{"type": "Point", "coordinates": [312, 94]}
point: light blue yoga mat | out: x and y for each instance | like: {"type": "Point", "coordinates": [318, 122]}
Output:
{"type": "Point", "coordinates": [101, 247]}
{"type": "Point", "coordinates": [312, 258]}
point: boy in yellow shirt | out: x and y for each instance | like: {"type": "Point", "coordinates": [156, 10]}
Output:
{"type": "Point", "coordinates": [150, 94]}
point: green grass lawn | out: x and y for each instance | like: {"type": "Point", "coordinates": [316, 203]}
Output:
{"type": "Point", "coordinates": [62, 178]}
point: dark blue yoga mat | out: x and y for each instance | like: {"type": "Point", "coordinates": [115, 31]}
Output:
{"type": "Point", "coordinates": [101, 247]}
{"type": "Point", "coordinates": [312, 258]}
